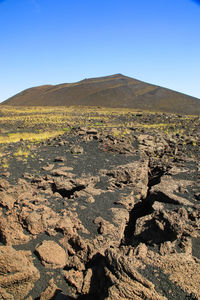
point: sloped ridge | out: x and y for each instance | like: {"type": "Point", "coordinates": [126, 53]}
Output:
{"type": "Point", "coordinates": [109, 91]}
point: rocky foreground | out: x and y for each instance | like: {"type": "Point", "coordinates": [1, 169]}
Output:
{"type": "Point", "coordinates": [96, 216]}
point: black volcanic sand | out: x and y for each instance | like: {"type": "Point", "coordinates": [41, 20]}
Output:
{"type": "Point", "coordinates": [91, 162]}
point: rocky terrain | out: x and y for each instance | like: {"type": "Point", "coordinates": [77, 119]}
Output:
{"type": "Point", "coordinates": [96, 213]}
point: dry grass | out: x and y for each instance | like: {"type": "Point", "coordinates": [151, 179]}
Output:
{"type": "Point", "coordinates": [28, 136]}
{"type": "Point", "coordinates": [39, 123]}
{"type": "Point", "coordinates": [21, 152]}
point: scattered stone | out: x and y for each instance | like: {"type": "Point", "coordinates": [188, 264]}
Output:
{"type": "Point", "coordinates": [167, 190]}
{"type": "Point", "coordinates": [87, 282]}
{"type": "Point", "coordinates": [90, 199]}
{"type": "Point", "coordinates": [17, 273]}
{"type": "Point", "coordinates": [28, 176]}
{"type": "Point", "coordinates": [75, 263]}
{"type": "Point", "coordinates": [104, 226]}
{"type": "Point", "coordinates": [34, 223]}
{"type": "Point", "coordinates": [134, 175]}
{"type": "Point", "coordinates": [92, 131]}
{"type": "Point", "coordinates": [141, 251]}
{"type": "Point", "coordinates": [177, 265]}
{"type": "Point", "coordinates": [61, 143]}
{"type": "Point", "coordinates": [4, 184]}
{"type": "Point", "coordinates": [128, 231]}
{"type": "Point", "coordinates": [74, 278]}
{"type": "Point", "coordinates": [63, 171]}
{"type": "Point", "coordinates": [52, 255]}
{"type": "Point", "coordinates": [48, 167]}
{"type": "Point", "coordinates": [6, 174]}
{"type": "Point", "coordinates": [11, 231]}
{"type": "Point", "coordinates": [126, 281]}
{"type": "Point", "coordinates": [76, 149]}
{"type": "Point", "coordinates": [50, 291]}
{"type": "Point", "coordinates": [60, 159]}
{"type": "Point", "coordinates": [6, 200]}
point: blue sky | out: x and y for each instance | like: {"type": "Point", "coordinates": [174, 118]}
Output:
{"type": "Point", "coordinates": [57, 41]}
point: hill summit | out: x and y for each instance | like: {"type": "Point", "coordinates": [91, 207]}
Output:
{"type": "Point", "coordinates": [109, 91]}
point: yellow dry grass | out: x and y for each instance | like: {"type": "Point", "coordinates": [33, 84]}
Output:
{"type": "Point", "coordinates": [29, 136]}
{"type": "Point", "coordinates": [21, 152]}
{"type": "Point", "coordinates": [39, 123]}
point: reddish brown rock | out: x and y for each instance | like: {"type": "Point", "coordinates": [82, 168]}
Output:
{"type": "Point", "coordinates": [48, 167]}
{"type": "Point", "coordinates": [64, 185]}
{"type": "Point", "coordinates": [90, 199]}
{"type": "Point", "coordinates": [120, 220]}
{"type": "Point", "coordinates": [63, 171]}
{"type": "Point", "coordinates": [60, 159]}
{"type": "Point", "coordinates": [87, 281]}
{"type": "Point", "coordinates": [17, 273]}
{"type": "Point", "coordinates": [75, 263]}
{"type": "Point", "coordinates": [39, 222]}
{"type": "Point", "coordinates": [76, 149]}
{"type": "Point", "coordinates": [182, 268]}
{"type": "Point", "coordinates": [133, 174]}
{"type": "Point", "coordinates": [167, 248]}
{"type": "Point", "coordinates": [6, 200]}
{"type": "Point", "coordinates": [50, 291]}
{"type": "Point", "coordinates": [66, 225]}
{"type": "Point", "coordinates": [5, 295]}
{"type": "Point", "coordinates": [34, 222]}
{"type": "Point", "coordinates": [52, 255]}
{"type": "Point", "coordinates": [141, 251]}
{"type": "Point", "coordinates": [11, 231]}
{"type": "Point", "coordinates": [6, 174]}
{"type": "Point", "coordinates": [4, 184]}
{"type": "Point", "coordinates": [104, 226]}
{"type": "Point", "coordinates": [75, 245]}
{"type": "Point", "coordinates": [127, 201]}
{"type": "Point", "coordinates": [168, 188]}
{"type": "Point", "coordinates": [74, 278]}
{"type": "Point", "coordinates": [126, 281]}
{"type": "Point", "coordinates": [161, 226]}
{"type": "Point", "coordinates": [92, 131]}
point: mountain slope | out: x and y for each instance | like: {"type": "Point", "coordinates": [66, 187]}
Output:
{"type": "Point", "coordinates": [110, 91]}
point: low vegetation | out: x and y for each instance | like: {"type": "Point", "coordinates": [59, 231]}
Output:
{"type": "Point", "coordinates": [36, 124]}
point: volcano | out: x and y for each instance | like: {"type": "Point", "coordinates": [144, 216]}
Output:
{"type": "Point", "coordinates": [109, 91]}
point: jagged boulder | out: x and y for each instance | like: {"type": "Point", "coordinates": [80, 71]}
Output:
{"type": "Point", "coordinates": [17, 273]}
{"type": "Point", "coordinates": [134, 175]}
{"type": "Point", "coordinates": [124, 279]}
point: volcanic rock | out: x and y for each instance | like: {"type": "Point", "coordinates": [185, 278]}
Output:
{"type": "Point", "coordinates": [75, 278]}
{"type": "Point", "coordinates": [6, 200]}
{"type": "Point", "coordinates": [92, 131]}
{"type": "Point", "coordinates": [176, 265]}
{"type": "Point", "coordinates": [60, 159]}
{"type": "Point", "coordinates": [11, 231]}
{"type": "Point", "coordinates": [38, 222]}
{"type": "Point", "coordinates": [50, 291]}
{"type": "Point", "coordinates": [134, 175]}
{"type": "Point", "coordinates": [48, 167]}
{"type": "Point", "coordinates": [4, 184]}
{"type": "Point", "coordinates": [166, 190]}
{"type": "Point", "coordinates": [52, 255]}
{"type": "Point", "coordinates": [17, 272]}
{"type": "Point", "coordinates": [124, 225]}
{"type": "Point", "coordinates": [126, 281]}
{"type": "Point", "coordinates": [76, 149]}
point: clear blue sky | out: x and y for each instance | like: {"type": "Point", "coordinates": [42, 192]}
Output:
{"type": "Point", "coordinates": [57, 41]}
